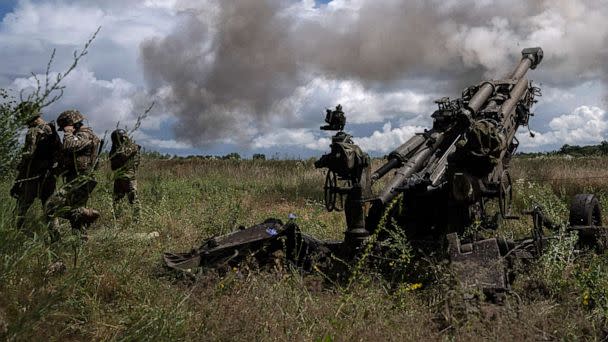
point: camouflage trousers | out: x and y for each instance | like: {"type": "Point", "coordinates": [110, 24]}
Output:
{"type": "Point", "coordinates": [27, 192]}
{"type": "Point", "coordinates": [126, 187]}
{"type": "Point", "coordinates": [70, 201]}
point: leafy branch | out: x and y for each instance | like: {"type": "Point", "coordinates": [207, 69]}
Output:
{"type": "Point", "coordinates": [51, 91]}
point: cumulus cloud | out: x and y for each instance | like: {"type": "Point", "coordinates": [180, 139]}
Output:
{"type": "Point", "coordinates": [382, 141]}
{"type": "Point", "coordinates": [585, 125]}
{"type": "Point", "coordinates": [388, 139]}
{"type": "Point", "coordinates": [290, 137]}
{"type": "Point", "coordinates": [105, 103]}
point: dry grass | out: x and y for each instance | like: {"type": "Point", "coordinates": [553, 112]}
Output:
{"type": "Point", "coordinates": [115, 287]}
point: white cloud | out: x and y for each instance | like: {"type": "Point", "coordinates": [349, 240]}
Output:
{"type": "Point", "coordinates": [388, 139]}
{"type": "Point", "coordinates": [306, 104]}
{"type": "Point", "coordinates": [104, 103]}
{"type": "Point", "coordinates": [149, 142]}
{"type": "Point", "coordinates": [379, 142]}
{"type": "Point", "coordinates": [30, 32]}
{"type": "Point", "coordinates": [585, 125]}
{"type": "Point", "coordinates": [286, 137]}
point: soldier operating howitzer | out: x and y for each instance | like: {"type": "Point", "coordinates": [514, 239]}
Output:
{"type": "Point", "coordinates": [124, 162]}
{"type": "Point", "coordinates": [35, 178]}
{"type": "Point", "coordinates": [335, 119]}
{"type": "Point", "coordinates": [79, 158]}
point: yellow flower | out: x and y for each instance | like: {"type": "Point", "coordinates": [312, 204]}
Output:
{"type": "Point", "coordinates": [413, 287]}
{"type": "Point", "coordinates": [586, 299]}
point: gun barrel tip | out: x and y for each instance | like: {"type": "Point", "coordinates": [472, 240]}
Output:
{"type": "Point", "coordinates": [535, 54]}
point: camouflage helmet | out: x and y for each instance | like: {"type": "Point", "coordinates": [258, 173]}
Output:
{"type": "Point", "coordinates": [69, 118]}
{"type": "Point", "coordinates": [119, 136]}
{"type": "Point", "coordinates": [29, 111]}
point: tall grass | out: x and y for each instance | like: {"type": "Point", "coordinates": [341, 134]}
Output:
{"type": "Point", "coordinates": [115, 287]}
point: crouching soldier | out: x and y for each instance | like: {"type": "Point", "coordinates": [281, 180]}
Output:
{"type": "Point", "coordinates": [80, 150]}
{"type": "Point", "coordinates": [35, 178]}
{"type": "Point", "coordinates": [124, 161]}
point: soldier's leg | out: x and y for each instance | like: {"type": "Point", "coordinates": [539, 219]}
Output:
{"type": "Point", "coordinates": [117, 195]}
{"type": "Point", "coordinates": [47, 189]}
{"type": "Point", "coordinates": [56, 206]}
{"type": "Point", "coordinates": [81, 216]}
{"type": "Point", "coordinates": [134, 200]}
{"type": "Point", "coordinates": [23, 205]}
{"type": "Point", "coordinates": [24, 202]}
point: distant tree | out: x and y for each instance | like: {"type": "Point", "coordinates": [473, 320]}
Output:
{"type": "Point", "coordinates": [232, 156]}
{"type": "Point", "coordinates": [259, 156]}
{"type": "Point", "coordinates": [565, 149]}
{"type": "Point", "coordinates": [604, 147]}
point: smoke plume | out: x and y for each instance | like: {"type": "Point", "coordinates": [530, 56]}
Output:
{"type": "Point", "coordinates": [227, 65]}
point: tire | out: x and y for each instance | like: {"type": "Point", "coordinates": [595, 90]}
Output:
{"type": "Point", "coordinates": [585, 210]}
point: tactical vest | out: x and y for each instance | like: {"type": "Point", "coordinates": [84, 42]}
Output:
{"type": "Point", "coordinates": [83, 160]}
{"type": "Point", "coordinates": [46, 151]}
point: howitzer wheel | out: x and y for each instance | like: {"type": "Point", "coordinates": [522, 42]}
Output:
{"type": "Point", "coordinates": [505, 194]}
{"type": "Point", "coordinates": [585, 210]}
{"type": "Point", "coordinates": [330, 190]}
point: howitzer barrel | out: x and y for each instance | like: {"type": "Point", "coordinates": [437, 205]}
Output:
{"type": "Point", "coordinates": [507, 108]}
{"type": "Point", "coordinates": [531, 57]}
{"type": "Point", "coordinates": [480, 97]}
{"type": "Point", "coordinates": [413, 165]}
{"type": "Point", "coordinates": [399, 156]}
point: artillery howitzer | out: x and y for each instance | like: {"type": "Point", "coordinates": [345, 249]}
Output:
{"type": "Point", "coordinates": [443, 179]}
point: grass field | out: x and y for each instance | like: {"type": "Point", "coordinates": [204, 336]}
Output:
{"type": "Point", "coordinates": [115, 287]}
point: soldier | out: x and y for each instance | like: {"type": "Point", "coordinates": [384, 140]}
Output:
{"type": "Point", "coordinates": [124, 161]}
{"type": "Point", "coordinates": [35, 178]}
{"type": "Point", "coordinates": [79, 158]}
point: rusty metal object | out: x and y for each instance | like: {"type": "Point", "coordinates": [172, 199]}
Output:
{"type": "Point", "coordinates": [262, 242]}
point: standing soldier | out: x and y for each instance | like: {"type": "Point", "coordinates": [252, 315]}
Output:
{"type": "Point", "coordinates": [124, 161]}
{"type": "Point", "coordinates": [79, 158]}
{"type": "Point", "coordinates": [34, 172]}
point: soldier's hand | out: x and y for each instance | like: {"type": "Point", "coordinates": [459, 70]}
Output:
{"type": "Point", "coordinates": [68, 129]}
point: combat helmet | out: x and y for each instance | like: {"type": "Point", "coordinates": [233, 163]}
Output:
{"type": "Point", "coordinates": [69, 118]}
{"type": "Point", "coordinates": [29, 111]}
{"type": "Point", "coordinates": [119, 136]}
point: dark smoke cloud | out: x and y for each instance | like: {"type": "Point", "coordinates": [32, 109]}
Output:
{"type": "Point", "coordinates": [228, 63]}
{"type": "Point", "coordinates": [220, 85]}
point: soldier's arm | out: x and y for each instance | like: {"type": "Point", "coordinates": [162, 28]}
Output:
{"type": "Point", "coordinates": [29, 146]}
{"type": "Point", "coordinates": [126, 151]}
{"type": "Point", "coordinates": [76, 142]}
{"type": "Point", "coordinates": [131, 150]}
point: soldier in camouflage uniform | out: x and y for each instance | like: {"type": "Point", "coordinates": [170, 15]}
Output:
{"type": "Point", "coordinates": [79, 158]}
{"type": "Point", "coordinates": [35, 178]}
{"type": "Point", "coordinates": [124, 161]}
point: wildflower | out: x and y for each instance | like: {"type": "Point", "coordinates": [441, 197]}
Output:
{"type": "Point", "coordinates": [586, 298]}
{"type": "Point", "coordinates": [413, 287]}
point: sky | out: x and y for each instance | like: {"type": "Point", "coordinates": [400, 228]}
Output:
{"type": "Point", "coordinates": [256, 76]}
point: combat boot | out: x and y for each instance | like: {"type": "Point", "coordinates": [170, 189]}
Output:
{"type": "Point", "coordinates": [88, 216]}
{"type": "Point", "coordinates": [53, 228]}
